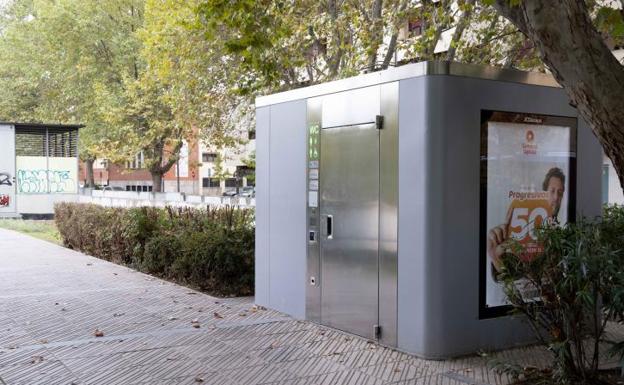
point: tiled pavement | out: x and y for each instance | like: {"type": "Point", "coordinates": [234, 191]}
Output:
{"type": "Point", "coordinates": [53, 299]}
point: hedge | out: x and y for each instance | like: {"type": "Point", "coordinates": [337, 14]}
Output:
{"type": "Point", "coordinates": [211, 249]}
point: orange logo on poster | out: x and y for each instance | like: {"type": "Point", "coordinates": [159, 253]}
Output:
{"type": "Point", "coordinates": [529, 148]}
{"type": "Point", "coordinates": [525, 215]}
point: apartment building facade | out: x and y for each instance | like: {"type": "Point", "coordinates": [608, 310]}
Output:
{"type": "Point", "coordinates": [201, 170]}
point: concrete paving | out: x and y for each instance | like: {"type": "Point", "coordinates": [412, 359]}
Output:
{"type": "Point", "coordinates": [68, 318]}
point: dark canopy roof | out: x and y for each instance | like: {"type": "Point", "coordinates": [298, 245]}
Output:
{"type": "Point", "coordinates": [42, 125]}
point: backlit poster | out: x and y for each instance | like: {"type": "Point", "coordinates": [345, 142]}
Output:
{"type": "Point", "coordinates": [528, 167]}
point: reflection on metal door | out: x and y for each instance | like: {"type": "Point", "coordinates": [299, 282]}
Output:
{"type": "Point", "coordinates": [7, 170]}
{"type": "Point", "coordinates": [350, 228]}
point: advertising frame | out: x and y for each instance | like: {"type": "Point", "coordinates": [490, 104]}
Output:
{"type": "Point", "coordinates": [528, 119]}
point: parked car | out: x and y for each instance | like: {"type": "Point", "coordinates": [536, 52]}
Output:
{"type": "Point", "coordinates": [230, 193]}
{"type": "Point", "coordinates": [113, 188]}
{"type": "Point", "coordinates": [247, 192]}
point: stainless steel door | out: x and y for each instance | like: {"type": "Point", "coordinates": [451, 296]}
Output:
{"type": "Point", "coordinates": [349, 203]}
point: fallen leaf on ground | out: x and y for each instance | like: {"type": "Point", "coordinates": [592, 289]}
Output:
{"type": "Point", "coordinates": [36, 359]}
{"type": "Point", "coordinates": [118, 314]}
{"type": "Point", "coordinates": [195, 324]}
{"type": "Point", "coordinates": [217, 315]}
{"type": "Point", "coordinates": [172, 318]}
{"type": "Point", "coordinates": [43, 341]}
{"type": "Point", "coordinates": [274, 345]}
{"type": "Point", "coordinates": [199, 379]}
{"type": "Point", "coordinates": [98, 333]}
{"type": "Point", "coordinates": [242, 314]}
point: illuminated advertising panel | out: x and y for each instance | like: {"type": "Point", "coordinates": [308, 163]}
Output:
{"type": "Point", "coordinates": [528, 177]}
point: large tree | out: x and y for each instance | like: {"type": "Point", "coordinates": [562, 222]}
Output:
{"type": "Point", "coordinates": [286, 44]}
{"type": "Point", "coordinates": [578, 56]}
{"type": "Point", "coordinates": [56, 56]}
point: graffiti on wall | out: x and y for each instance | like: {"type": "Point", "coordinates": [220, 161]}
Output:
{"type": "Point", "coordinates": [5, 200]}
{"type": "Point", "coordinates": [41, 181]}
{"type": "Point", "coordinates": [5, 179]}
{"type": "Point", "coordinates": [54, 175]}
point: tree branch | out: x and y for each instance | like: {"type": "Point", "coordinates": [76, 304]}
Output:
{"type": "Point", "coordinates": [511, 13]}
{"type": "Point", "coordinates": [459, 30]}
{"type": "Point", "coordinates": [578, 57]}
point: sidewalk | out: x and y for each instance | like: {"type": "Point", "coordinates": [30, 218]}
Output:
{"type": "Point", "coordinates": [53, 299]}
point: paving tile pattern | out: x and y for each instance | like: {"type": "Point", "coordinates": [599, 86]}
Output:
{"type": "Point", "coordinates": [53, 299]}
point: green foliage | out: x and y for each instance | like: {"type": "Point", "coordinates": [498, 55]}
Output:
{"type": "Point", "coordinates": [212, 249]}
{"type": "Point", "coordinates": [42, 229]}
{"type": "Point", "coordinates": [275, 45]}
{"type": "Point", "coordinates": [574, 288]}
{"type": "Point", "coordinates": [220, 172]}
{"type": "Point", "coordinates": [56, 56]}
{"type": "Point", "coordinates": [610, 22]}
{"type": "Point", "coordinates": [250, 162]}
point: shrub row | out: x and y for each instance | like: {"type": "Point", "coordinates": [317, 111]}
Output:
{"type": "Point", "coordinates": [211, 249]}
{"type": "Point", "coordinates": [569, 293]}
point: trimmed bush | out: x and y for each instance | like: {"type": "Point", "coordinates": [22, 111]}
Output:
{"type": "Point", "coordinates": [211, 249]}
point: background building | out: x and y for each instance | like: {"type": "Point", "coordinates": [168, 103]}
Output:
{"type": "Point", "coordinates": [203, 170]}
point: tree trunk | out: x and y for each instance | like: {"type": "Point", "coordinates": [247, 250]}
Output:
{"type": "Point", "coordinates": [578, 57]}
{"type": "Point", "coordinates": [157, 178]}
{"type": "Point", "coordinates": [89, 166]}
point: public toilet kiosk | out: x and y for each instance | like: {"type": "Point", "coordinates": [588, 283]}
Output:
{"type": "Point", "coordinates": [38, 167]}
{"type": "Point", "coordinates": [380, 197]}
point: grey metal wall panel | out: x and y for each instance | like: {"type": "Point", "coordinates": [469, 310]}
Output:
{"type": "Point", "coordinates": [439, 309]}
{"type": "Point", "coordinates": [350, 107]}
{"type": "Point", "coordinates": [287, 205]}
{"type": "Point", "coordinates": [412, 235]}
{"type": "Point", "coordinates": [262, 283]}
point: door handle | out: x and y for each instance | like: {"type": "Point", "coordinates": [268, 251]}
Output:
{"type": "Point", "coordinates": [330, 226]}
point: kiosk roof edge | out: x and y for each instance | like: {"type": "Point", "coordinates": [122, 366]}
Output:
{"type": "Point", "coordinates": [411, 71]}
{"type": "Point", "coordinates": [42, 125]}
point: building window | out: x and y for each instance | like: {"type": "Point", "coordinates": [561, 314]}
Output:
{"type": "Point", "coordinates": [210, 182]}
{"type": "Point", "coordinates": [137, 163]}
{"type": "Point", "coordinates": [231, 182]}
{"type": "Point", "coordinates": [415, 27]}
{"type": "Point", "coordinates": [139, 188]}
{"type": "Point", "coordinates": [209, 157]}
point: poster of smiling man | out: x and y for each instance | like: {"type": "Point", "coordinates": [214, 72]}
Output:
{"type": "Point", "coordinates": [528, 167]}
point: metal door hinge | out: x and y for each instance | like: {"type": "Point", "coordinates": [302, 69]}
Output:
{"type": "Point", "coordinates": [377, 331]}
{"type": "Point", "coordinates": [379, 119]}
